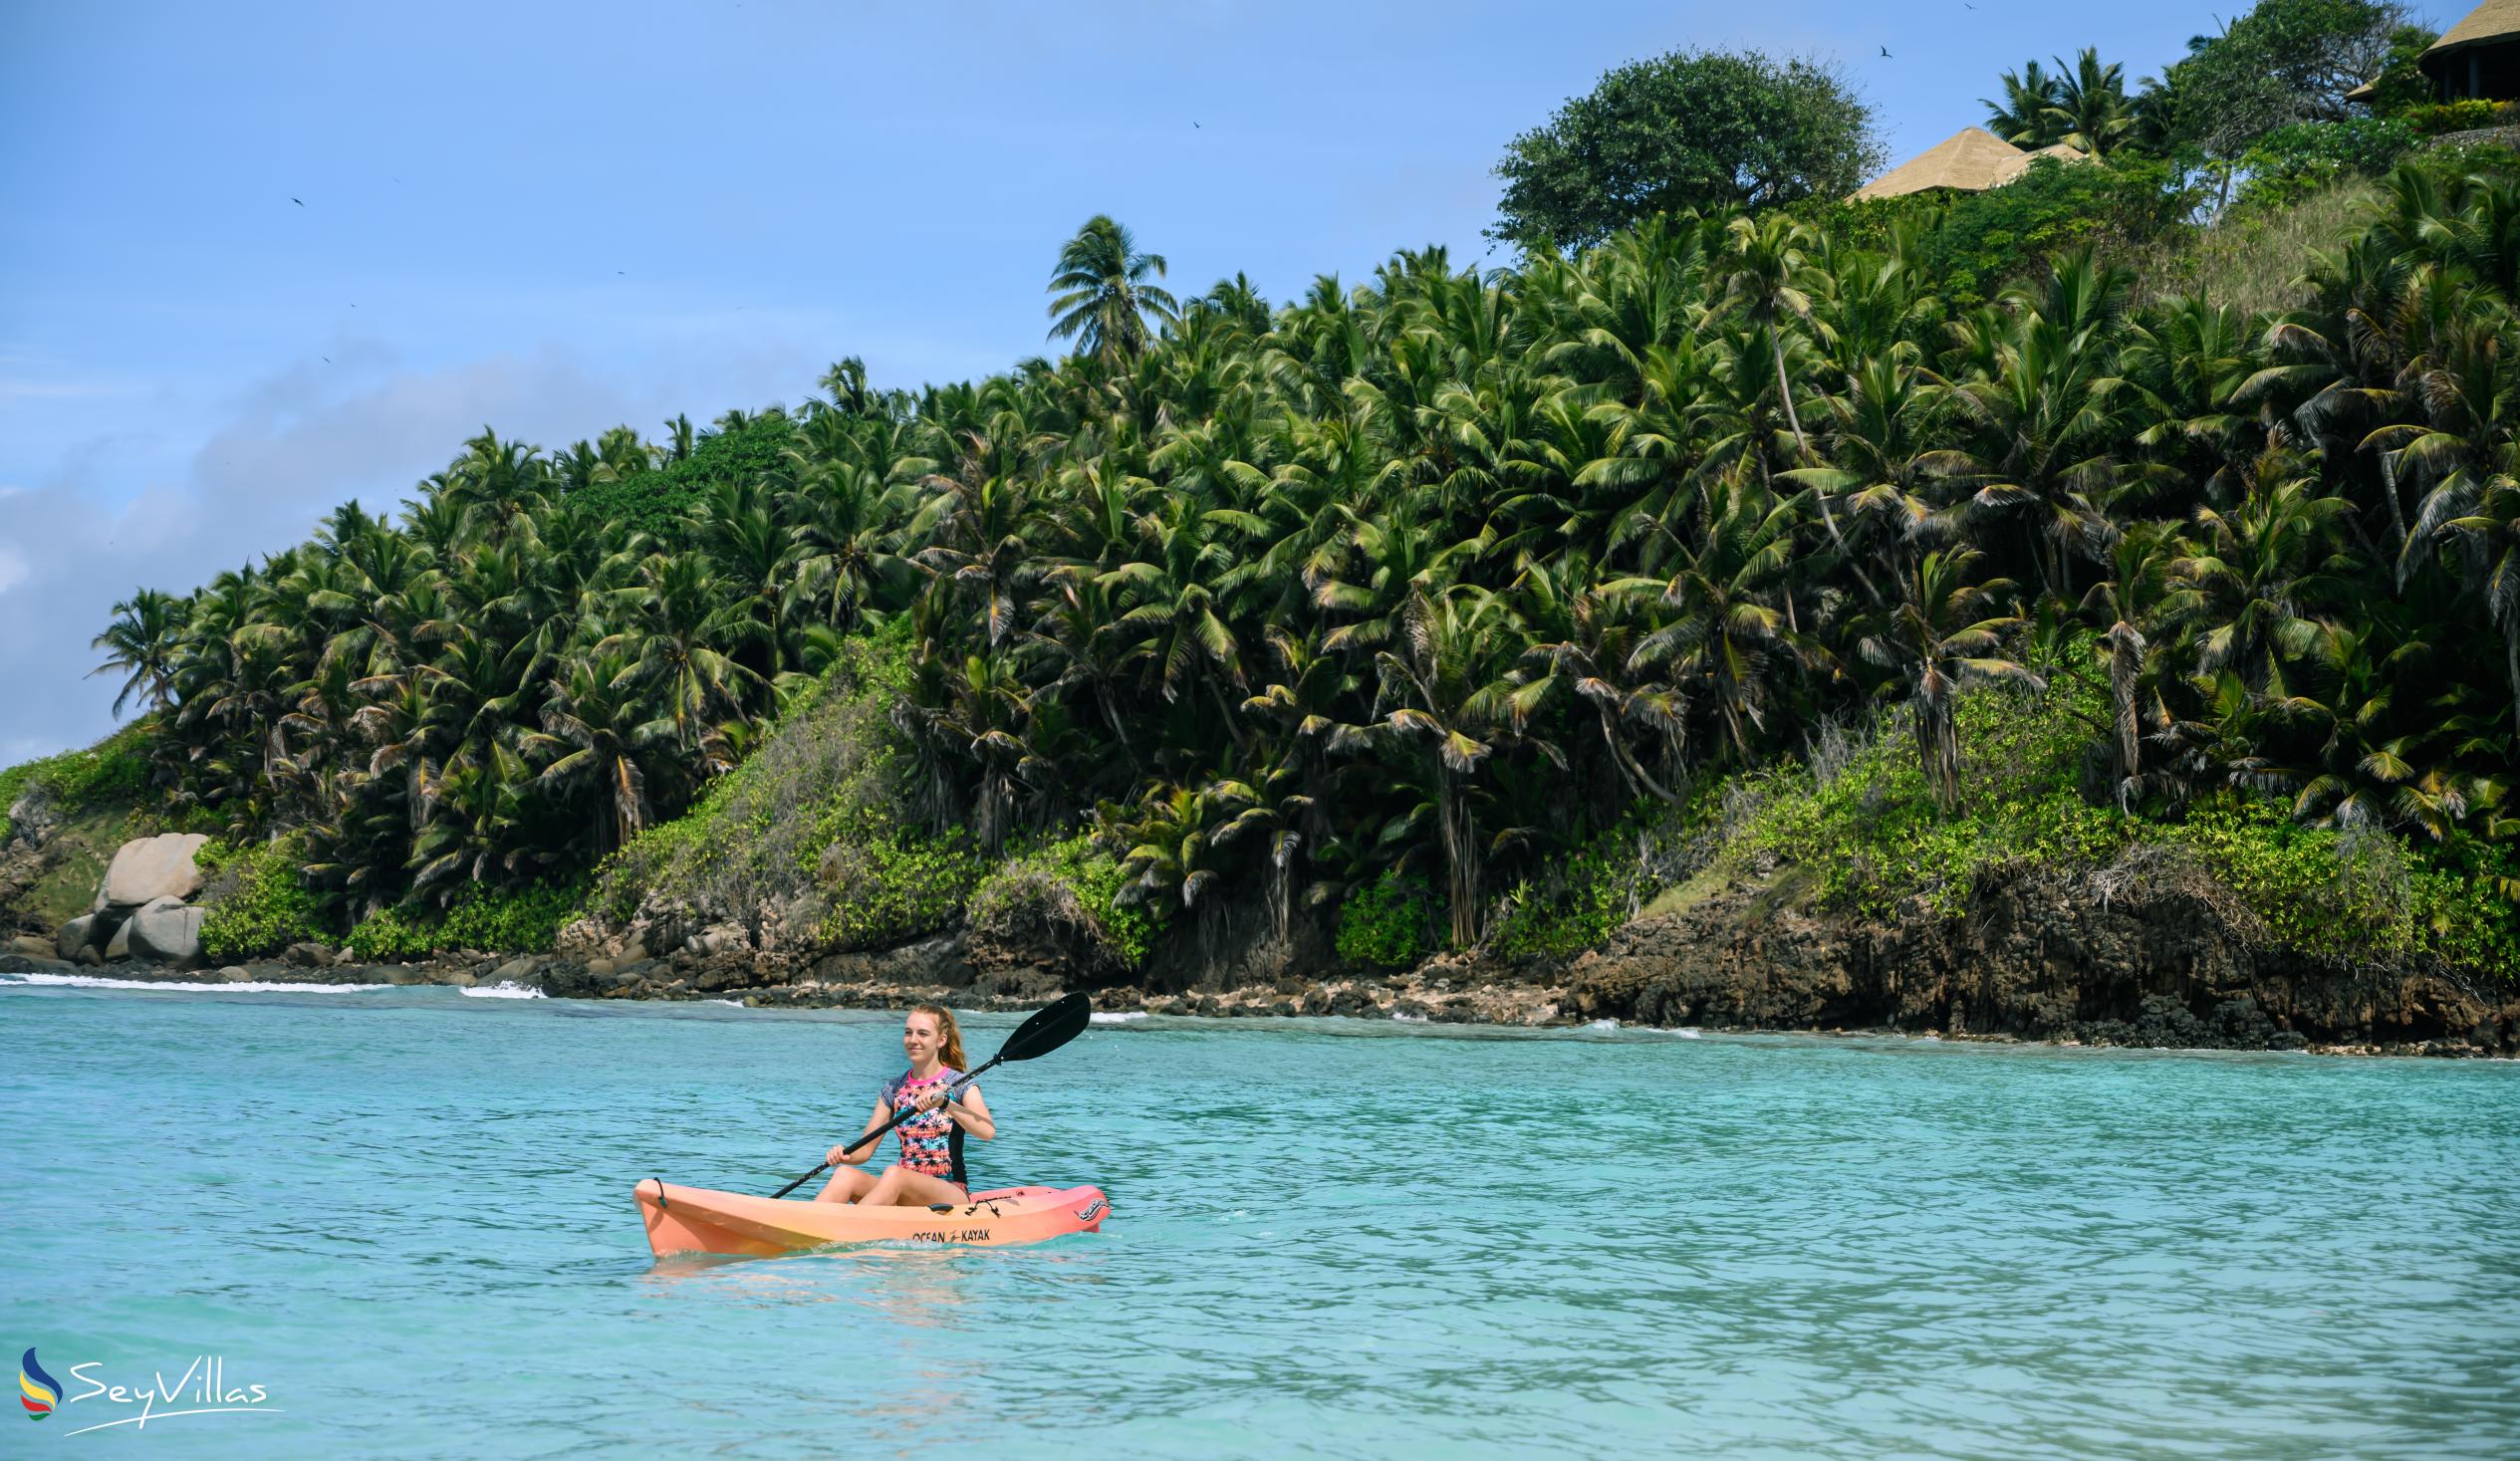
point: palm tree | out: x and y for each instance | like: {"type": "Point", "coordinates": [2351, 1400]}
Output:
{"type": "Point", "coordinates": [1445, 683]}
{"type": "Point", "coordinates": [2048, 414]}
{"type": "Point", "coordinates": [980, 720]}
{"type": "Point", "coordinates": [2256, 583]}
{"type": "Point", "coordinates": [2091, 110]}
{"type": "Point", "coordinates": [596, 731]}
{"type": "Point", "coordinates": [1724, 634]}
{"type": "Point", "coordinates": [679, 617]}
{"type": "Point", "coordinates": [1273, 808]}
{"type": "Point", "coordinates": [1764, 273]}
{"type": "Point", "coordinates": [2025, 116]}
{"type": "Point", "coordinates": [2127, 601]}
{"type": "Point", "coordinates": [2483, 519]}
{"type": "Point", "coordinates": [1941, 637]}
{"type": "Point", "coordinates": [143, 643]}
{"type": "Point", "coordinates": [1170, 842]}
{"type": "Point", "coordinates": [1100, 293]}
{"type": "Point", "coordinates": [1601, 626]}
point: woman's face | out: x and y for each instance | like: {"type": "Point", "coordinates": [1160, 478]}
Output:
{"type": "Point", "coordinates": [918, 1037]}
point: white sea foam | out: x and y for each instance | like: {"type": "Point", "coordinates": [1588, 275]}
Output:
{"type": "Point", "coordinates": [243, 986]}
{"type": "Point", "coordinates": [1604, 1026]}
{"type": "Point", "coordinates": [504, 989]}
{"type": "Point", "coordinates": [1407, 1019]}
{"type": "Point", "coordinates": [1115, 1017]}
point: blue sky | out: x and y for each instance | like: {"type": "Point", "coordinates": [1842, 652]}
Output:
{"type": "Point", "coordinates": [552, 218]}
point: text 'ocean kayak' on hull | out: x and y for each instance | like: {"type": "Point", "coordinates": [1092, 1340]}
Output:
{"type": "Point", "coordinates": [698, 1220]}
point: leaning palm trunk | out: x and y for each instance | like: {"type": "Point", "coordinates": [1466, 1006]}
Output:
{"type": "Point", "coordinates": [1119, 727]}
{"type": "Point", "coordinates": [1461, 858]}
{"type": "Point", "coordinates": [1793, 419]}
{"type": "Point", "coordinates": [996, 810]}
{"type": "Point", "coordinates": [630, 801]}
{"type": "Point", "coordinates": [1625, 760]}
{"type": "Point", "coordinates": [1785, 394]}
{"type": "Point", "coordinates": [1938, 749]}
{"type": "Point", "coordinates": [2126, 655]}
{"type": "Point", "coordinates": [1282, 886]}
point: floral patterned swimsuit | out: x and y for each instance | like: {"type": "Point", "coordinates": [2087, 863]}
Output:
{"type": "Point", "coordinates": [932, 1145]}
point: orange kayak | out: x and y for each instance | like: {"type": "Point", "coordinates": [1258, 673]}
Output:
{"type": "Point", "coordinates": [698, 1220]}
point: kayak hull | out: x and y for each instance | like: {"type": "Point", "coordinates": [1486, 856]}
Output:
{"type": "Point", "coordinates": [698, 1220]}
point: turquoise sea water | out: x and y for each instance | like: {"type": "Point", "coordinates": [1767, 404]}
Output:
{"type": "Point", "coordinates": [406, 1214]}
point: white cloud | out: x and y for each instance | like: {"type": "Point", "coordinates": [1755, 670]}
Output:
{"type": "Point", "coordinates": [299, 443]}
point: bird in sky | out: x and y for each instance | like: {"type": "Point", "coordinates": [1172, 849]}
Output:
{"type": "Point", "coordinates": [1194, 123]}
{"type": "Point", "coordinates": [1885, 55]}
{"type": "Point", "coordinates": [294, 200]}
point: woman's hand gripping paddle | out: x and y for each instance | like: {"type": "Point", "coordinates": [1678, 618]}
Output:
{"type": "Point", "coordinates": [1050, 1027]}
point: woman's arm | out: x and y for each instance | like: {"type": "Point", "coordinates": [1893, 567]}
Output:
{"type": "Point", "coordinates": [971, 1113]}
{"type": "Point", "coordinates": [866, 1149]}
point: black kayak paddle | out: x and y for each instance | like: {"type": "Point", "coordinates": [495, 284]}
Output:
{"type": "Point", "coordinates": [1049, 1027]}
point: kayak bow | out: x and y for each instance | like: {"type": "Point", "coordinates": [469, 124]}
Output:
{"type": "Point", "coordinates": [698, 1220]}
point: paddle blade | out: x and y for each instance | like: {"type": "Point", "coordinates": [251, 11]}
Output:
{"type": "Point", "coordinates": [1050, 1027]}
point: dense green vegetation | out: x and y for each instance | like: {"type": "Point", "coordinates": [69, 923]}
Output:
{"type": "Point", "coordinates": [1428, 595]}
{"type": "Point", "coordinates": [1864, 833]}
{"type": "Point", "coordinates": [255, 902]}
{"type": "Point", "coordinates": [115, 769]}
{"type": "Point", "coordinates": [1075, 882]}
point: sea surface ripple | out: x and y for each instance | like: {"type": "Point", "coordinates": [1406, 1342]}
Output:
{"type": "Point", "coordinates": [407, 1214]}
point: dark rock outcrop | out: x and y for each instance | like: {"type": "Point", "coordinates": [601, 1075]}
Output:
{"type": "Point", "coordinates": [2174, 961]}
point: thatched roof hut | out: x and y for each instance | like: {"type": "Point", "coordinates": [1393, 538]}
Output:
{"type": "Point", "coordinates": [1970, 161]}
{"type": "Point", "coordinates": [2480, 56]}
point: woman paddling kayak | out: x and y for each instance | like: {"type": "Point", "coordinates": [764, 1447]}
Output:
{"type": "Point", "coordinates": [930, 1169]}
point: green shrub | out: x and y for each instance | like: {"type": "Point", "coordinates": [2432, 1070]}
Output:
{"type": "Point", "coordinates": [2468, 113]}
{"type": "Point", "coordinates": [1869, 842]}
{"type": "Point", "coordinates": [1390, 924]}
{"type": "Point", "coordinates": [656, 501]}
{"type": "Point", "coordinates": [1974, 245]}
{"type": "Point", "coordinates": [1075, 882]}
{"type": "Point", "coordinates": [1587, 897]}
{"type": "Point", "coordinates": [258, 902]}
{"type": "Point", "coordinates": [2357, 894]}
{"type": "Point", "coordinates": [114, 769]}
{"type": "Point", "coordinates": [1872, 838]}
{"type": "Point", "coordinates": [886, 884]}
{"type": "Point", "coordinates": [523, 920]}
{"type": "Point", "coordinates": [2290, 163]}
{"type": "Point", "coordinates": [818, 809]}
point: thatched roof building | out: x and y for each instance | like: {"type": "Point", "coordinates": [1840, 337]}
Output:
{"type": "Point", "coordinates": [2480, 56]}
{"type": "Point", "coordinates": [1970, 161]}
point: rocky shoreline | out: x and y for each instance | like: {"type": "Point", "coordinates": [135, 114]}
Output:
{"type": "Point", "coordinates": [1442, 993]}
{"type": "Point", "coordinates": [2151, 955]}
